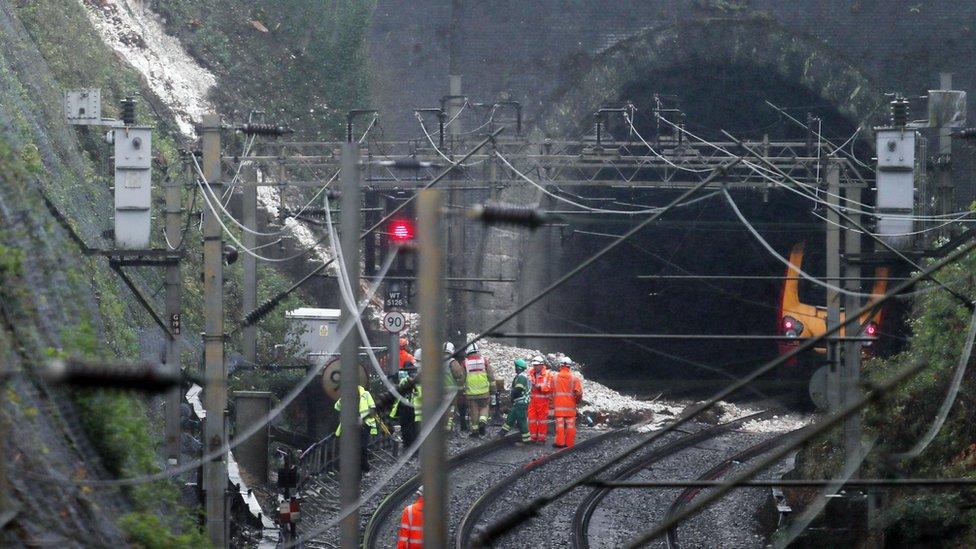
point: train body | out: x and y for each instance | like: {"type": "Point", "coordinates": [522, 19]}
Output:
{"type": "Point", "coordinates": [801, 320]}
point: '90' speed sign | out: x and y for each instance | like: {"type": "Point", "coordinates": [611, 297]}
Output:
{"type": "Point", "coordinates": [394, 322]}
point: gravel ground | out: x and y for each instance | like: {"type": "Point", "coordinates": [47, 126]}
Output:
{"type": "Point", "coordinates": [542, 480]}
{"type": "Point", "coordinates": [553, 527]}
{"type": "Point", "coordinates": [729, 523]}
{"type": "Point", "coordinates": [321, 494]}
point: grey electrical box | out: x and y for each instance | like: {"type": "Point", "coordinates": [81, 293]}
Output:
{"type": "Point", "coordinates": [83, 107]}
{"type": "Point", "coordinates": [896, 185]}
{"type": "Point", "coordinates": [895, 229]}
{"type": "Point", "coordinates": [133, 187]}
{"type": "Point", "coordinates": [896, 148]}
{"type": "Point", "coordinates": [319, 337]}
{"type": "Point", "coordinates": [896, 190]}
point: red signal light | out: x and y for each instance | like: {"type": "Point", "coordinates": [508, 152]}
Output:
{"type": "Point", "coordinates": [401, 231]}
{"type": "Point", "coordinates": [872, 329]}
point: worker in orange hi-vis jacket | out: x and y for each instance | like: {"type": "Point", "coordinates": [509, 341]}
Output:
{"type": "Point", "coordinates": [540, 379]}
{"type": "Point", "coordinates": [411, 534]}
{"type": "Point", "coordinates": [567, 393]}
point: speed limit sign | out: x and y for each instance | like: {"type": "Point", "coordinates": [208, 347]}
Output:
{"type": "Point", "coordinates": [394, 322]}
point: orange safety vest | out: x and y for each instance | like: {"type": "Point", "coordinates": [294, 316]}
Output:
{"type": "Point", "coordinates": [411, 534]}
{"type": "Point", "coordinates": [541, 382]}
{"type": "Point", "coordinates": [567, 392]}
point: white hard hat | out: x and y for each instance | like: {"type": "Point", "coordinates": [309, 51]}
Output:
{"type": "Point", "coordinates": [448, 348]}
{"type": "Point", "coordinates": [565, 360]}
{"type": "Point", "coordinates": [471, 349]}
{"type": "Point", "coordinates": [537, 359]}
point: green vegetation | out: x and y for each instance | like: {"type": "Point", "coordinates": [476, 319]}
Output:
{"type": "Point", "coordinates": [302, 62]}
{"type": "Point", "coordinates": [146, 531]}
{"type": "Point", "coordinates": [284, 70]}
{"type": "Point", "coordinates": [920, 517]}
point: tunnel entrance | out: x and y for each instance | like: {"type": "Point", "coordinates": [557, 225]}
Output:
{"type": "Point", "coordinates": [702, 239]}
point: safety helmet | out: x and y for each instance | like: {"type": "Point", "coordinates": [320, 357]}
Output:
{"type": "Point", "coordinates": [420, 490]}
{"type": "Point", "coordinates": [565, 361]}
{"type": "Point", "coordinates": [404, 342]}
{"type": "Point", "coordinates": [537, 359]}
{"type": "Point", "coordinates": [448, 348]}
{"type": "Point", "coordinates": [471, 349]}
{"type": "Point", "coordinates": [520, 365]}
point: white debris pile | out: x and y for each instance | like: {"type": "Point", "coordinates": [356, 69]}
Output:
{"type": "Point", "coordinates": [137, 35]}
{"type": "Point", "coordinates": [596, 396]}
{"type": "Point", "coordinates": [774, 424]}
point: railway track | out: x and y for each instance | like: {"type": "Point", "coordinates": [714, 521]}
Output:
{"type": "Point", "coordinates": [717, 472]}
{"type": "Point", "coordinates": [474, 513]}
{"type": "Point", "coordinates": [393, 504]}
{"type": "Point", "coordinates": [584, 512]}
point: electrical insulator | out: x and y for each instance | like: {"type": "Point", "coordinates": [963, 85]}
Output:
{"type": "Point", "coordinates": [129, 111]}
{"type": "Point", "coordinates": [142, 376]}
{"type": "Point", "coordinates": [495, 214]}
{"type": "Point", "coordinates": [267, 130]}
{"type": "Point", "coordinates": [968, 133]}
{"type": "Point", "coordinates": [899, 112]}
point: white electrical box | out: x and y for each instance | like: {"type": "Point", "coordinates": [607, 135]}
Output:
{"type": "Point", "coordinates": [83, 107]}
{"type": "Point", "coordinates": [895, 228]}
{"type": "Point", "coordinates": [896, 148]}
{"type": "Point", "coordinates": [319, 337]}
{"type": "Point", "coordinates": [133, 187]}
{"type": "Point", "coordinates": [896, 185]}
{"type": "Point", "coordinates": [896, 190]}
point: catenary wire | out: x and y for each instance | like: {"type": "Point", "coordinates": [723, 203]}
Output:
{"type": "Point", "coordinates": [244, 434]}
{"type": "Point", "coordinates": [802, 436]}
{"type": "Point", "coordinates": [345, 289]}
{"type": "Point", "coordinates": [527, 511]}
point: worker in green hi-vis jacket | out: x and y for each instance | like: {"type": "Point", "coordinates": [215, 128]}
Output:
{"type": "Point", "coordinates": [518, 415]}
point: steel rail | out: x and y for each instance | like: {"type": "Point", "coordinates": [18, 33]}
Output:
{"type": "Point", "coordinates": [478, 508]}
{"type": "Point", "coordinates": [714, 473]}
{"type": "Point", "coordinates": [586, 508]}
{"type": "Point", "coordinates": [395, 501]}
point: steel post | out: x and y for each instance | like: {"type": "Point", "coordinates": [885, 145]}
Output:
{"type": "Point", "coordinates": [174, 297]}
{"type": "Point", "coordinates": [458, 312]}
{"type": "Point", "coordinates": [393, 358]}
{"type": "Point", "coordinates": [433, 450]}
{"type": "Point", "coordinates": [349, 443]}
{"type": "Point", "coordinates": [833, 272]}
{"type": "Point", "coordinates": [249, 263]}
{"type": "Point", "coordinates": [215, 373]}
{"type": "Point", "coordinates": [851, 371]}
{"type": "Point", "coordinates": [943, 181]}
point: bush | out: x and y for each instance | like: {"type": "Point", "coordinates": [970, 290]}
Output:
{"type": "Point", "coordinates": [146, 531]}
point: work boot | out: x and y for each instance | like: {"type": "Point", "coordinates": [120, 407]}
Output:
{"type": "Point", "coordinates": [482, 429]}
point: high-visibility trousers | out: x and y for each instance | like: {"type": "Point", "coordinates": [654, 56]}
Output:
{"type": "Point", "coordinates": [518, 419]}
{"type": "Point", "coordinates": [565, 431]}
{"type": "Point", "coordinates": [477, 411]}
{"type": "Point", "coordinates": [539, 418]}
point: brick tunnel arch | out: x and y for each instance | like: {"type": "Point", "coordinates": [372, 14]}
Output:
{"type": "Point", "coordinates": [754, 41]}
{"type": "Point", "coordinates": [536, 259]}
